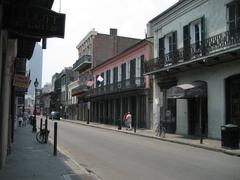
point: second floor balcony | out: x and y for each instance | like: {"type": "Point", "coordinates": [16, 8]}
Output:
{"type": "Point", "coordinates": [122, 86]}
{"type": "Point", "coordinates": [215, 49]}
{"type": "Point", "coordinates": [83, 63]}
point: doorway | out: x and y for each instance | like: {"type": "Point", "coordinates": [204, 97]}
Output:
{"type": "Point", "coordinates": [233, 100]}
{"type": "Point", "coordinates": [194, 111]}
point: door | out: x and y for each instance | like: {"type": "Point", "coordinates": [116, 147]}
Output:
{"type": "Point", "coordinates": [233, 100]}
{"type": "Point", "coordinates": [194, 111]}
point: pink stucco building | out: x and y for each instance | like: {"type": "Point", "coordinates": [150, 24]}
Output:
{"type": "Point", "coordinates": [122, 87]}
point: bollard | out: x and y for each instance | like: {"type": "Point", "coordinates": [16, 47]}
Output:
{"type": "Point", "coordinates": [135, 126]}
{"type": "Point", "coordinates": [46, 131]}
{"type": "Point", "coordinates": [55, 140]}
{"type": "Point", "coordinates": [41, 124]}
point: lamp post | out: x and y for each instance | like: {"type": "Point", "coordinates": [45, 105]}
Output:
{"type": "Point", "coordinates": [34, 129]}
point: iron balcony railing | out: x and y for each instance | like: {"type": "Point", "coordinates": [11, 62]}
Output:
{"type": "Point", "coordinates": [125, 85]}
{"type": "Point", "coordinates": [209, 46]}
{"type": "Point", "coordinates": [82, 60]}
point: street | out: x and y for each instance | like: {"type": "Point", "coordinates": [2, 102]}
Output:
{"type": "Point", "coordinates": [118, 156]}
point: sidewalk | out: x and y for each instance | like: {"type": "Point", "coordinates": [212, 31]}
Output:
{"type": "Point", "coordinates": [209, 144]}
{"type": "Point", "coordinates": [30, 160]}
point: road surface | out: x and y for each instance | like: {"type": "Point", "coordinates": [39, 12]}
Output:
{"type": "Point", "coordinates": [119, 156]}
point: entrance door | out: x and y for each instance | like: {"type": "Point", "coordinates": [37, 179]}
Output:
{"type": "Point", "coordinates": [194, 116]}
{"type": "Point", "coordinates": [233, 100]}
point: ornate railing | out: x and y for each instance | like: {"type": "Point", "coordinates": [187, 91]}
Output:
{"type": "Point", "coordinates": [82, 60]}
{"type": "Point", "coordinates": [121, 86]}
{"type": "Point", "coordinates": [211, 45]}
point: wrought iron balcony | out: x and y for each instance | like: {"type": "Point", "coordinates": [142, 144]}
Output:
{"type": "Point", "coordinates": [82, 63]}
{"type": "Point", "coordinates": [210, 47]}
{"type": "Point", "coordinates": [126, 85]}
{"type": "Point", "coordinates": [81, 87]}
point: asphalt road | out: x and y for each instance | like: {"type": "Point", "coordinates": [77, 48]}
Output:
{"type": "Point", "coordinates": [118, 156]}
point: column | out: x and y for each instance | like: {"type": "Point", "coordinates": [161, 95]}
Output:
{"type": "Point", "coordinates": [114, 111]}
{"type": "Point", "coordinates": [137, 112]}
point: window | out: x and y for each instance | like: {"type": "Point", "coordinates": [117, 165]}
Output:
{"type": "Point", "coordinates": [115, 75]}
{"type": "Point", "coordinates": [168, 47]}
{"type": "Point", "coordinates": [123, 71]}
{"type": "Point", "coordinates": [142, 64]}
{"type": "Point", "coordinates": [193, 39]}
{"type": "Point", "coordinates": [108, 77]}
{"type": "Point", "coordinates": [195, 32]}
{"type": "Point", "coordinates": [233, 15]}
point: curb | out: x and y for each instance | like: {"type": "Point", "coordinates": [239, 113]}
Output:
{"type": "Point", "coordinates": [225, 151]}
{"type": "Point", "coordinates": [83, 170]}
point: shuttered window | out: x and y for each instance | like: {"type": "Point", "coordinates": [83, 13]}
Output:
{"type": "Point", "coordinates": [115, 75]}
{"type": "Point", "coordinates": [123, 71]}
{"type": "Point", "coordinates": [108, 77]}
{"type": "Point", "coordinates": [233, 16]}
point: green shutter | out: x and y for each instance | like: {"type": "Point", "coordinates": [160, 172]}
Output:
{"type": "Point", "coordinates": [161, 47]}
{"type": "Point", "coordinates": [203, 35]}
{"type": "Point", "coordinates": [186, 42]}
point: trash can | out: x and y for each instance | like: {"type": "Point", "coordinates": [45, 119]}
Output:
{"type": "Point", "coordinates": [230, 136]}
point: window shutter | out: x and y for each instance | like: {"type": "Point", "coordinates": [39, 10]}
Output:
{"type": "Point", "coordinates": [186, 42]}
{"type": "Point", "coordinates": [142, 65]}
{"type": "Point", "coordinates": [161, 47]}
{"type": "Point", "coordinates": [174, 41]}
{"type": "Point", "coordinates": [203, 35]}
{"type": "Point", "coordinates": [123, 71]}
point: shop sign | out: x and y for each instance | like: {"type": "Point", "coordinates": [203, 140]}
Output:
{"type": "Point", "coordinates": [21, 81]}
{"type": "Point", "coordinates": [32, 21]}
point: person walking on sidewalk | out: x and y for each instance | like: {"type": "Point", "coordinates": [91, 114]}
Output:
{"type": "Point", "coordinates": [129, 121]}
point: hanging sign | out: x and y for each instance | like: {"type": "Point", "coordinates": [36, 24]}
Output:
{"type": "Point", "coordinates": [32, 21]}
{"type": "Point", "coordinates": [21, 81]}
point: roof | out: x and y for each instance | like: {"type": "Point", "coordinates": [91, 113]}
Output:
{"type": "Point", "coordinates": [167, 10]}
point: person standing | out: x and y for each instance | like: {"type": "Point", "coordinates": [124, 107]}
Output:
{"type": "Point", "coordinates": [129, 120]}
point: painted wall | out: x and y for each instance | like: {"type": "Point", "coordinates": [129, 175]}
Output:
{"type": "Point", "coordinates": [215, 77]}
{"type": "Point", "coordinates": [215, 21]}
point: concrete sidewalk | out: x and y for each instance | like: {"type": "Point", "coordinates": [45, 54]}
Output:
{"type": "Point", "coordinates": [30, 160]}
{"type": "Point", "coordinates": [209, 144]}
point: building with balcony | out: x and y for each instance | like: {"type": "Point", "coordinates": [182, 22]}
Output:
{"type": "Point", "coordinates": [196, 66]}
{"type": "Point", "coordinates": [66, 76]}
{"type": "Point", "coordinates": [122, 87]}
{"type": "Point", "coordinates": [93, 50]}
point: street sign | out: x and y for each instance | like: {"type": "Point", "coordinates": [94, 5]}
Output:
{"type": "Point", "coordinates": [32, 21]}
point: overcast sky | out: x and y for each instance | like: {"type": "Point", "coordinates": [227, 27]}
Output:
{"type": "Point", "coordinates": [128, 16]}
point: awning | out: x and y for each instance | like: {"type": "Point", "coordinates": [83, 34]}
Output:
{"type": "Point", "coordinates": [185, 91]}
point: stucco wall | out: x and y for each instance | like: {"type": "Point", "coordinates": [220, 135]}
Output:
{"type": "Point", "coordinates": [215, 77]}
{"type": "Point", "coordinates": [214, 11]}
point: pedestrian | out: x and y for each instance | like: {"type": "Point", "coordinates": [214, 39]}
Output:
{"type": "Point", "coordinates": [20, 120]}
{"type": "Point", "coordinates": [124, 119]}
{"type": "Point", "coordinates": [129, 121]}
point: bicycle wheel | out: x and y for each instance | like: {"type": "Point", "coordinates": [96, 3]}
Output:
{"type": "Point", "coordinates": [40, 137]}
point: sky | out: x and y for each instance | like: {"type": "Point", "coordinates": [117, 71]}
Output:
{"type": "Point", "coordinates": [130, 17]}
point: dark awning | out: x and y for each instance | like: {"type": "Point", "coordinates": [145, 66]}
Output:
{"type": "Point", "coordinates": [185, 91]}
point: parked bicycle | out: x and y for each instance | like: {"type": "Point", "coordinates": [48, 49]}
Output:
{"type": "Point", "coordinates": [41, 136]}
{"type": "Point", "coordinates": [161, 131]}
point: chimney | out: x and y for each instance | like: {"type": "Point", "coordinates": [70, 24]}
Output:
{"type": "Point", "coordinates": [113, 32]}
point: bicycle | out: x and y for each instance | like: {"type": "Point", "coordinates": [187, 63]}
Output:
{"type": "Point", "coordinates": [41, 136]}
{"type": "Point", "coordinates": [161, 131]}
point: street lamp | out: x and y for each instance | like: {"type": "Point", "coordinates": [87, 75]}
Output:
{"type": "Point", "coordinates": [34, 129]}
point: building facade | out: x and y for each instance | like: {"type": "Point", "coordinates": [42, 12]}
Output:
{"type": "Point", "coordinates": [94, 49]}
{"type": "Point", "coordinates": [17, 42]}
{"type": "Point", "coordinates": [120, 87]}
{"type": "Point", "coordinates": [196, 66]}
